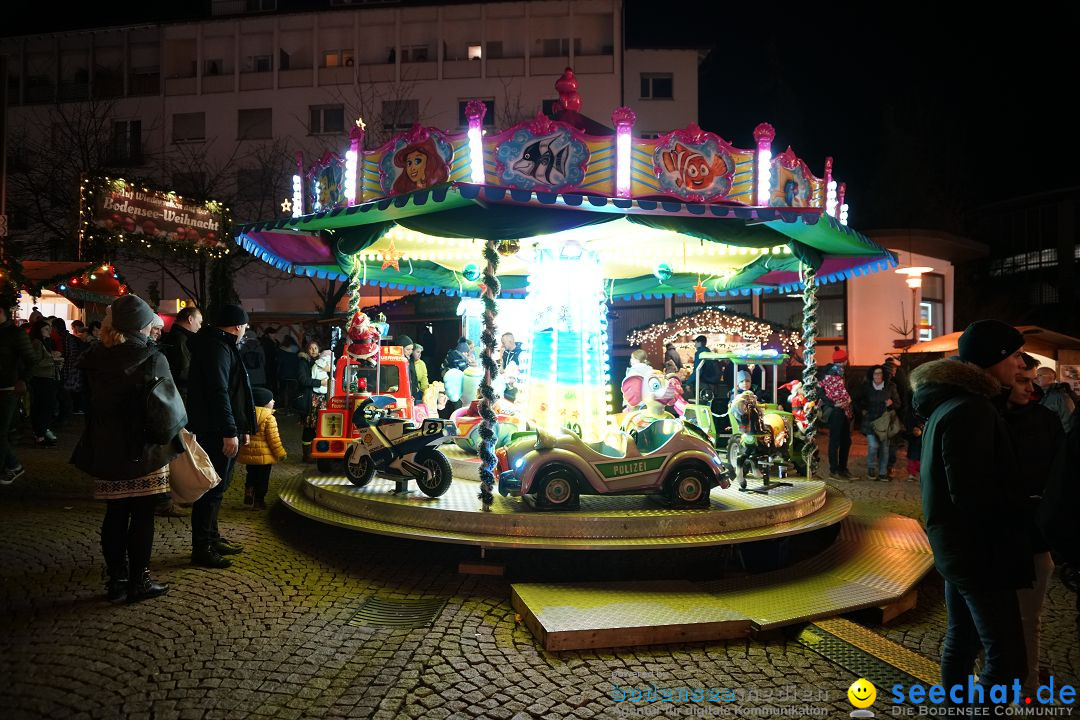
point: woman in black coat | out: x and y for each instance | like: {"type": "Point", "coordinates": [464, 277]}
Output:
{"type": "Point", "coordinates": [875, 398]}
{"type": "Point", "coordinates": [131, 475]}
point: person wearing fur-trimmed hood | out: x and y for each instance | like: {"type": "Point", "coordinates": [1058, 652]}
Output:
{"type": "Point", "coordinates": [973, 504]}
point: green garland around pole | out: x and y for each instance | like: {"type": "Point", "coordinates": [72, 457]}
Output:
{"type": "Point", "coordinates": [491, 289]}
{"type": "Point", "coordinates": [810, 381]}
{"type": "Point", "coordinates": [354, 287]}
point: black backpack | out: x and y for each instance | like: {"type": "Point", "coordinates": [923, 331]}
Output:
{"type": "Point", "coordinates": [252, 359]}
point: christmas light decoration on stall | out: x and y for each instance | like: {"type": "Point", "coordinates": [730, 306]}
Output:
{"type": "Point", "coordinates": [714, 322]}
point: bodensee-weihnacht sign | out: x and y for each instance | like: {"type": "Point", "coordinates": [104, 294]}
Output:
{"type": "Point", "coordinates": [130, 212]}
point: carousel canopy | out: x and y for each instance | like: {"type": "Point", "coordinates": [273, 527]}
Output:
{"type": "Point", "coordinates": [683, 214]}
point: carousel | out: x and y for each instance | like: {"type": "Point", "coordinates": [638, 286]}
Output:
{"type": "Point", "coordinates": [566, 221]}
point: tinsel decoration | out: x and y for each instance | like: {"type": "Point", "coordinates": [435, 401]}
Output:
{"type": "Point", "coordinates": [491, 289]}
{"type": "Point", "coordinates": [810, 381]}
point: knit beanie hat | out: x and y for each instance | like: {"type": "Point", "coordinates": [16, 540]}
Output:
{"type": "Point", "coordinates": [988, 342]}
{"type": "Point", "coordinates": [230, 316]}
{"type": "Point", "coordinates": [130, 314]}
{"type": "Point", "coordinates": [404, 340]}
{"type": "Point", "coordinates": [743, 376]}
{"type": "Point", "coordinates": [261, 396]}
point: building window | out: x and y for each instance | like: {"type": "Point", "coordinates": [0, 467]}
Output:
{"type": "Point", "coordinates": [125, 143]}
{"type": "Point", "coordinates": [557, 47]}
{"type": "Point", "coordinates": [832, 310]}
{"type": "Point", "coordinates": [399, 115]}
{"type": "Point", "coordinates": [657, 86]}
{"type": "Point", "coordinates": [473, 52]}
{"type": "Point", "coordinates": [337, 58]}
{"type": "Point", "coordinates": [214, 67]}
{"type": "Point", "coordinates": [260, 5]}
{"type": "Point", "coordinates": [548, 107]}
{"type": "Point", "coordinates": [489, 116]}
{"type": "Point", "coordinates": [494, 49]}
{"type": "Point", "coordinates": [414, 53]}
{"type": "Point", "coordinates": [932, 307]}
{"type": "Point", "coordinates": [254, 184]}
{"type": "Point", "coordinates": [189, 184]}
{"type": "Point", "coordinates": [188, 127]}
{"type": "Point", "coordinates": [327, 119]}
{"type": "Point", "coordinates": [256, 124]}
{"type": "Point", "coordinates": [259, 63]}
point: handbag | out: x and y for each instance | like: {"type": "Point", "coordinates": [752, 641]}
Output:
{"type": "Point", "coordinates": [191, 473]}
{"type": "Point", "coordinates": [887, 426]}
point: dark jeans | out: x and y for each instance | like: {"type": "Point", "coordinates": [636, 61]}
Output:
{"type": "Point", "coordinates": [258, 477]}
{"type": "Point", "coordinates": [8, 402]}
{"type": "Point", "coordinates": [987, 620]}
{"type": "Point", "coordinates": [42, 404]}
{"type": "Point", "coordinates": [839, 440]}
{"type": "Point", "coordinates": [288, 391]}
{"type": "Point", "coordinates": [204, 513]}
{"type": "Point", "coordinates": [127, 535]}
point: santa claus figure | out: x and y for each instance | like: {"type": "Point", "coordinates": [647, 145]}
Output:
{"type": "Point", "coordinates": [363, 339]}
{"type": "Point", "coordinates": [799, 403]}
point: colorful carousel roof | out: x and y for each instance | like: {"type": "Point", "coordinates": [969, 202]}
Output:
{"type": "Point", "coordinates": [683, 214]}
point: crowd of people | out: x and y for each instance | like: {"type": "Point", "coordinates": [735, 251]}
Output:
{"type": "Point", "coordinates": [992, 436]}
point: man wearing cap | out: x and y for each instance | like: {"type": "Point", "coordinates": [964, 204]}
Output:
{"type": "Point", "coordinates": [973, 503]}
{"type": "Point", "coordinates": [221, 413]}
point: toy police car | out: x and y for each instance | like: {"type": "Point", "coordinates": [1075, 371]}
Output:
{"type": "Point", "coordinates": [668, 456]}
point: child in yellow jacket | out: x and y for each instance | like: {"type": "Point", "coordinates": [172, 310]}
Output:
{"type": "Point", "coordinates": [262, 451]}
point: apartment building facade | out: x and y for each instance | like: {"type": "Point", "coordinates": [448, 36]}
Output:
{"type": "Point", "coordinates": [215, 95]}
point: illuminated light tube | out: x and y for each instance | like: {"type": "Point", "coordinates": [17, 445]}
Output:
{"type": "Point", "coordinates": [350, 177]}
{"type": "Point", "coordinates": [475, 111]}
{"type": "Point", "coordinates": [297, 196]}
{"type": "Point", "coordinates": [830, 198]}
{"type": "Point", "coordinates": [764, 135]}
{"type": "Point", "coordinates": [623, 118]}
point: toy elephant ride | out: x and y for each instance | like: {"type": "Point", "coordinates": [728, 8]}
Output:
{"type": "Point", "coordinates": [399, 449]}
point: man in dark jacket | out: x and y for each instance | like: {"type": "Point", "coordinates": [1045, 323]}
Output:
{"type": "Point", "coordinates": [221, 413]}
{"type": "Point", "coordinates": [1040, 447]}
{"type": "Point", "coordinates": [973, 505]}
{"type": "Point", "coordinates": [16, 359]}
{"type": "Point", "coordinates": [175, 345]}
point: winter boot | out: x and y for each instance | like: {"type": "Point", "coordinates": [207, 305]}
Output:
{"type": "Point", "coordinates": [141, 587]}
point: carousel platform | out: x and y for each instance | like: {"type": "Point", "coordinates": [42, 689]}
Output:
{"type": "Point", "coordinates": [875, 563]}
{"type": "Point", "coordinates": [601, 523]}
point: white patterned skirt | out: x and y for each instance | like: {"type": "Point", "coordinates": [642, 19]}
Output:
{"type": "Point", "coordinates": [153, 483]}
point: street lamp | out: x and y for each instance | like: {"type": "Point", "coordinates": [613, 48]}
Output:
{"type": "Point", "coordinates": [913, 278]}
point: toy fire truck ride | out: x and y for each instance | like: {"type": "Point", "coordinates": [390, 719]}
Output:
{"type": "Point", "coordinates": [354, 382]}
{"type": "Point", "coordinates": [399, 449]}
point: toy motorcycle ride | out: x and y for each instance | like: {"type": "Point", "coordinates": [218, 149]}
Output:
{"type": "Point", "coordinates": [399, 449]}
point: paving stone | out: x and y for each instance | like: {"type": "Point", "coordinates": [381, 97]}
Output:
{"type": "Point", "coordinates": [268, 637]}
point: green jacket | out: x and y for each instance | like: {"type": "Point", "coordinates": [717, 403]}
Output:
{"type": "Point", "coordinates": [16, 355]}
{"type": "Point", "coordinates": [43, 366]}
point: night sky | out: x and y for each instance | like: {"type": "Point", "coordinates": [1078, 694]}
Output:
{"type": "Point", "coordinates": [929, 110]}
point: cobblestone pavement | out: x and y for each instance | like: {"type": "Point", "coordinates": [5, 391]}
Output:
{"type": "Point", "coordinates": [269, 637]}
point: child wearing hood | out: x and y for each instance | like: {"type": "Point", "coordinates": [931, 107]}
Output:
{"type": "Point", "coordinates": [263, 450]}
